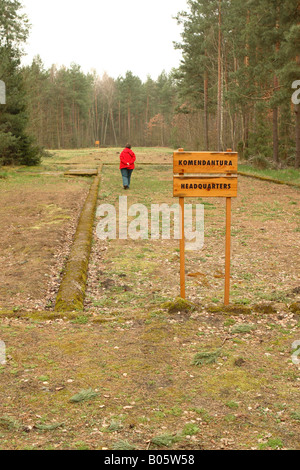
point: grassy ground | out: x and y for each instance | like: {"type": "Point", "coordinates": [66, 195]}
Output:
{"type": "Point", "coordinates": [135, 369]}
{"type": "Point", "coordinates": [265, 242]}
{"type": "Point", "coordinates": [289, 174]}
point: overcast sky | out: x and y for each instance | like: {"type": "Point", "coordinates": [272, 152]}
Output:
{"type": "Point", "coordinates": [110, 36]}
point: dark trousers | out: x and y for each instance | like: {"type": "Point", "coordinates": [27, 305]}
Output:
{"type": "Point", "coordinates": [126, 175]}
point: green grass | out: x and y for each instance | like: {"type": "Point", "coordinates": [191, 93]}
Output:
{"type": "Point", "coordinates": [83, 395]}
{"type": "Point", "coordinates": [232, 405]}
{"type": "Point", "coordinates": [272, 443]}
{"type": "Point", "coordinates": [296, 415]}
{"type": "Point", "coordinates": [123, 445]}
{"type": "Point", "coordinates": [165, 150]}
{"type": "Point", "coordinates": [206, 357]}
{"type": "Point", "coordinates": [190, 429]}
{"type": "Point", "coordinates": [165, 440]}
{"type": "Point", "coordinates": [289, 174]}
{"type": "Point", "coordinates": [243, 328]}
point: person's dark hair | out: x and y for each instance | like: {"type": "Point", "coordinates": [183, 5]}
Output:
{"type": "Point", "coordinates": [128, 146]}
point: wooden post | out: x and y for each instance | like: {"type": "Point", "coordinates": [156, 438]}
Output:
{"type": "Point", "coordinates": [182, 248]}
{"type": "Point", "coordinates": [227, 250]}
{"type": "Point", "coordinates": [182, 244]}
{"type": "Point", "coordinates": [187, 182]}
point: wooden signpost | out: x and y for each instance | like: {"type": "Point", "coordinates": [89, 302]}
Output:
{"type": "Point", "coordinates": [205, 174]}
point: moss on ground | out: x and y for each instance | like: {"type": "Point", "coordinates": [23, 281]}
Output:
{"type": "Point", "coordinates": [178, 305]}
{"type": "Point", "coordinates": [269, 179]}
{"type": "Point", "coordinates": [295, 307]}
{"type": "Point", "coordinates": [266, 308]}
{"type": "Point", "coordinates": [71, 293]}
{"type": "Point", "coordinates": [230, 309]}
{"type": "Point", "coordinates": [37, 315]}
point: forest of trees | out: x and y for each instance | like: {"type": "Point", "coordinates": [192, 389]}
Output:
{"type": "Point", "coordinates": [232, 89]}
{"type": "Point", "coordinates": [240, 59]}
{"type": "Point", "coordinates": [71, 109]}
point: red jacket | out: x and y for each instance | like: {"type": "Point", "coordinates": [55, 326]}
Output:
{"type": "Point", "coordinates": [127, 156]}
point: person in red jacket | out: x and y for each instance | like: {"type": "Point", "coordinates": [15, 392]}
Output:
{"type": "Point", "coordinates": [127, 159]}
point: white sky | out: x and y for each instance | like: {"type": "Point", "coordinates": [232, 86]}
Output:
{"type": "Point", "coordinates": [110, 36]}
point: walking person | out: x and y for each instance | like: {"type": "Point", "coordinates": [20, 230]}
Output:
{"type": "Point", "coordinates": [127, 159]}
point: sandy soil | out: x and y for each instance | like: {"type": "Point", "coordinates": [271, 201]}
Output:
{"type": "Point", "coordinates": [39, 216]}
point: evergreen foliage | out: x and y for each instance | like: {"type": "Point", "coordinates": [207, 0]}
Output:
{"type": "Point", "coordinates": [70, 109]}
{"type": "Point", "coordinates": [232, 89]}
{"type": "Point", "coordinates": [250, 48]}
{"type": "Point", "coordinates": [16, 146]}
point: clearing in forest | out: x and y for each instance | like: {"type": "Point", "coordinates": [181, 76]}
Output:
{"type": "Point", "coordinates": [136, 369]}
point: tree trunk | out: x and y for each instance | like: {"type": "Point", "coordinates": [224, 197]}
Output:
{"type": "Point", "coordinates": [297, 120]}
{"type": "Point", "coordinates": [129, 122]}
{"type": "Point", "coordinates": [219, 106]}
{"type": "Point", "coordinates": [113, 126]}
{"type": "Point", "coordinates": [275, 136]}
{"type": "Point", "coordinates": [297, 157]}
{"type": "Point", "coordinates": [147, 110]}
{"type": "Point", "coordinates": [105, 130]}
{"type": "Point", "coordinates": [62, 124]}
{"type": "Point", "coordinates": [275, 110]}
{"type": "Point", "coordinates": [96, 116]}
{"type": "Point", "coordinates": [245, 128]}
{"type": "Point", "coordinates": [119, 117]}
{"type": "Point", "coordinates": [58, 133]}
{"type": "Point", "coordinates": [206, 140]}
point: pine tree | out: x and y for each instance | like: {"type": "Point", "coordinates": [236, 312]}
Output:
{"type": "Point", "coordinates": [19, 147]}
{"type": "Point", "coordinates": [238, 61]}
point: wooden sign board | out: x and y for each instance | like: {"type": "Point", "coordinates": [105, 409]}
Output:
{"type": "Point", "coordinates": [205, 162]}
{"type": "Point", "coordinates": [192, 178]}
{"type": "Point", "coordinates": [205, 186]}
{"type": "Point", "coordinates": [2, 92]}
